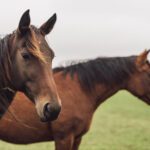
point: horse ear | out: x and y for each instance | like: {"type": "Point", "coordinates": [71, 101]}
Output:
{"type": "Point", "coordinates": [48, 25]}
{"type": "Point", "coordinates": [142, 60]}
{"type": "Point", "coordinates": [24, 22]}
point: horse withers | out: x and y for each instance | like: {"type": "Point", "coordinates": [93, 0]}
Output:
{"type": "Point", "coordinates": [82, 87]}
{"type": "Point", "coordinates": [25, 63]}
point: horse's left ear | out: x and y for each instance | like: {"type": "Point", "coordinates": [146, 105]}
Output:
{"type": "Point", "coordinates": [24, 22]}
{"type": "Point", "coordinates": [48, 25]}
{"type": "Point", "coordinates": [142, 60]}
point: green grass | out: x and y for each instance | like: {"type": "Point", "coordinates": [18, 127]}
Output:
{"type": "Point", "coordinates": [121, 123]}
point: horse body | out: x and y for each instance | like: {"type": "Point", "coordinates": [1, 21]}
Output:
{"type": "Point", "coordinates": [82, 88]}
{"type": "Point", "coordinates": [36, 131]}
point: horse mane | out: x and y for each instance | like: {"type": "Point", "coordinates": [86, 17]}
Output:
{"type": "Point", "coordinates": [105, 70]}
{"type": "Point", "coordinates": [5, 60]}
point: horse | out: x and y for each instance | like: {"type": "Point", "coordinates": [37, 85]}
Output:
{"type": "Point", "coordinates": [82, 87]}
{"type": "Point", "coordinates": [25, 64]}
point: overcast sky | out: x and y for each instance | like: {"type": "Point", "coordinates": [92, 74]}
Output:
{"type": "Point", "coordinates": [86, 28]}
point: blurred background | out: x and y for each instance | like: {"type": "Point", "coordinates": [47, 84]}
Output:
{"type": "Point", "coordinates": [89, 29]}
{"type": "Point", "coordinates": [86, 28]}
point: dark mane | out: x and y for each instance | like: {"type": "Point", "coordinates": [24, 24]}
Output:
{"type": "Point", "coordinates": [5, 60]}
{"type": "Point", "coordinates": [111, 70]}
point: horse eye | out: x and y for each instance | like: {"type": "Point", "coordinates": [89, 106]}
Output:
{"type": "Point", "coordinates": [26, 56]}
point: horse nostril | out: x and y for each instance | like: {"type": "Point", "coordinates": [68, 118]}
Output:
{"type": "Point", "coordinates": [51, 111]}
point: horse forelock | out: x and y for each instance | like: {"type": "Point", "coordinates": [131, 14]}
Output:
{"type": "Point", "coordinates": [32, 45]}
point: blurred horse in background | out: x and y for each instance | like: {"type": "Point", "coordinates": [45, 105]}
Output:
{"type": "Point", "coordinates": [25, 64]}
{"type": "Point", "coordinates": [82, 87]}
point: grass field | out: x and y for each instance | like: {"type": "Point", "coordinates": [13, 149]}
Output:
{"type": "Point", "coordinates": [121, 123]}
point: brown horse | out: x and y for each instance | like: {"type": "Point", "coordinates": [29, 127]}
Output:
{"type": "Point", "coordinates": [25, 64]}
{"type": "Point", "coordinates": [82, 88]}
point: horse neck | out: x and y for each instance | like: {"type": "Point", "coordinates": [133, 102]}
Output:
{"type": "Point", "coordinates": [100, 78]}
{"type": "Point", "coordinates": [102, 92]}
{"type": "Point", "coordinates": [119, 81]}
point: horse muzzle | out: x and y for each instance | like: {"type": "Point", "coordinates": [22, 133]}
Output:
{"type": "Point", "coordinates": [48, 111]}
{"type": "Point", "coordinates": [51, 112]}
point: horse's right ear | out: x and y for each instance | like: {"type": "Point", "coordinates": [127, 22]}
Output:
{"type": "Point", "coordinates": [48, 25]}
{"type": "Point", "coordinates": [142, 60]}
{"type": "Point", "coordinates": [24, 22]}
